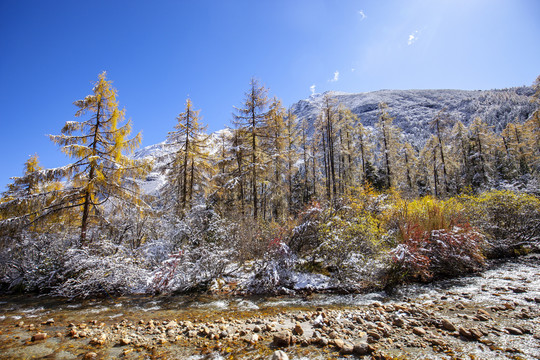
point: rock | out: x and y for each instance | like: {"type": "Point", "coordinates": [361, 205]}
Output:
{"type": "Point", "coordinates": [374, 335]}
{"type": "Point", "coordinates": [347, 349]}
{"type": "Point", "coordinates": [339, 343]}
{"type": "Point", "coordinates": [20, 324]}
{"type": "Point", "coordinates": [283, 338]}
{"type": "Point", "coordinates": [483, 312]}
{"type": "Point", "coordinates": [298, 330]}
{"type": "Point", "coordinates": [39, 336]}
{"type": "Point", "coordinates": [257, 329]}
{"type": "Point", "coordinates": [361, 348]}
{"type": "Point", "coordinates": [253, 339]}
{"type": "Point", "coordinates": [448, 325]}
{"type": "Point", "coordinates": [419, 331]}
{"type": "Point", "coordinates": [125, 341]}
{"type": "Point", "coordinates": [399, 322]}
{"type": "Point", "coordinates": [323, 342]}
{"type": "Point", "coordinates": [470, 334]}
{"type": "Point", "coordinates": [90, 355]}
{"type": "Point", "coordinates": [171, 325]}
{"type": "Point", "coordinates": [514, 331]}
{"type": "Point", "coordinates": [48, 322]}
{"type": "Point", "coordinates": [280, 355]}
{"type": "Point", "coordinates": [436, 342]}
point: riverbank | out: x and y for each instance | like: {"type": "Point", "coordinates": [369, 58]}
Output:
{"type": "Point", "coordinates": [490, 315]}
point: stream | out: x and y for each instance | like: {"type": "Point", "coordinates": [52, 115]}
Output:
{"type": "Point", "coordinates": [493, 314]}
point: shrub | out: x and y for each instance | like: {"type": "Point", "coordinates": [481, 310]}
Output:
{"type": "Point", "coordinates": [439, 253]}
{"type": "Point", "coordinates": [434, 239]}
{"type": "Point", "coordinates": [191, 268]}
{"type": "Point", "coordinates": [510, 219]}
{"type": "Point", "coordinates": [273, 273]}
{"type": "Point", "coordinates": [426, 214]}
{"type": "Point", "coordinates": [96, 274]}
{"type": "Point", "coordinates": [350, 232]}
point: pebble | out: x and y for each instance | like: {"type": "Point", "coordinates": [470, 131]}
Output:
{"type": "Point", "coordinates": [280, 355]}
{"type": "Point", "coordinates": [514, 331]}
{"type": "Point", "coordinates": [447, 324]}
{"type": "Point", "coordinates": [90, 355]}
{"type": "Point", "coordinates": [298, 330]}
{"type": "Point", "coordinates": [39, 336]}
{"type": "Point", "coordinates": [361, 348]}
{"type": "Point", "coordinates": [283, 339]}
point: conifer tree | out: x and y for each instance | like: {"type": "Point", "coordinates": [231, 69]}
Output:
{"type": "Point", "coordinates": [482, 145]}
{"type": "Point", "coordinates": [533, 124]}
{"type": "Point", "coordinates": [101, 173]}
{"type": "Point", "coordinates": [291, 137]}
{"type": "Point", "coordinates": [347, 145]}
{"type": "Point", "coordinates": [459, 152]}
{"type": "Point", "coordinates": [439, 125]}
{"type": "Point", "coordinates": [189, 168]}
{"type": "Point", "coordinates": [21, 202]}
{"type": "Point", "coordinates": [274, 146]}
{"type": "Point", "coordinates": [251, 119]}
{"type": "Point", "coordinates": [407, 154]}
{"type": "Point", "coordinates": [388, 140]}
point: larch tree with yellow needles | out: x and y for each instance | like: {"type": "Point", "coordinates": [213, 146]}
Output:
{"type": "Point", "coordinates": [101, 174]}
{"type": "Point", "coordinates": [189, 169]}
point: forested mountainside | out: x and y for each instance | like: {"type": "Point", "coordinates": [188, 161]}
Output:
{"type": "Point", "coordinates": [414, 109]}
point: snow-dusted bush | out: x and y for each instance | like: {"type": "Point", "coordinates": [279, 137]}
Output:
{"type": "Point", "coordinates": [511, 219]}
{"type": "Point", "coordinates": [350, 236]}
{"type": "Point", "coordinates": [89, 273]}
{"type": "Point", "coordinates": [33, 261]}
{"type": "Point", "coordinates": [273, 273]}
{"type": "Point", "coordinates": [438, 253]}
{"type": "Point", "coordinates": [191, 268]}
{"type": "Point", "coordinates": [305, 236]}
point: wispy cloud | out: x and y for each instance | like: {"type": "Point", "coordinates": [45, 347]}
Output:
{"type": "Point", "coordinates": [312, 89]}
{"type": "Point", "coordinates": [362, 14]}
{"type": "Point", "coordinates": [336, 76]}
{"type": "Point", "coordinates": [413, 37]}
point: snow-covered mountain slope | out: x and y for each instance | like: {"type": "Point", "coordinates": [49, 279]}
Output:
{"type": "Point", "coordinates": [414, 109]}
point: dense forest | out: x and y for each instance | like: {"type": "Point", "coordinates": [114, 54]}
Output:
{"type": "Point", "coordinates": [271, 204]}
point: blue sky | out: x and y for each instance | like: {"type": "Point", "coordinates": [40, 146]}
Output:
{"type": "Point", "coordinates": [160, 52]}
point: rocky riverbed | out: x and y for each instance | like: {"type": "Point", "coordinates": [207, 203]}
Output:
{"type": "Point", "coordinates": [493, 315]}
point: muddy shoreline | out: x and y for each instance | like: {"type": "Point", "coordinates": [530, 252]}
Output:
{"type": "Point", "coordinates": [492, 315]}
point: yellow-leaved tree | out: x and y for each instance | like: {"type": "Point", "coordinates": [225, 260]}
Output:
{"type": "Point", "coordinates": [189, 171]}
{"type": "Point", "coordinates": [102, 173]}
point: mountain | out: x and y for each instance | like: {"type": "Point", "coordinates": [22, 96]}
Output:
{"type": "Point", "coordinates": [414, 109]}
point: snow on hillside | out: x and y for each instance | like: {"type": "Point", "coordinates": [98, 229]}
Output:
{"type": "Point", "coordinates": [414, 109]}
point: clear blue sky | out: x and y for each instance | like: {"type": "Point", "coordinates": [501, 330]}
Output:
{"type": "Point", "coordinates": [160, 52]}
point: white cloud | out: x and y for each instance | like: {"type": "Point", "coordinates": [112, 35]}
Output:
{"type": "Point", "coordinates": [362, 15]}
{"type": "Point", "coordinates": [353, 70]}
{"type": "Point", "coordinates": [413, 37]}
{"type": "Point", "coordinates": [312, 89]}
{"type": "Point", "coordinates": [336, 76]}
